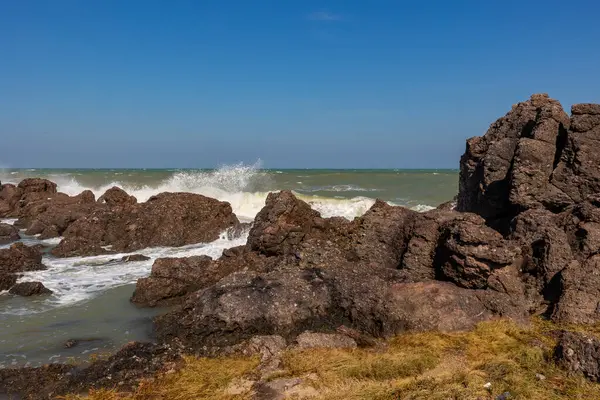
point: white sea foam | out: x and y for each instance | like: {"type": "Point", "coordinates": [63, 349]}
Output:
{"type": "Point", "coordinates": [10, 221]}
{"type": "Point", "coordinates": [78, 279]}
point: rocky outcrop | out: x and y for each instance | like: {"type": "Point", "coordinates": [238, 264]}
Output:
{"type": "Point", "coordinates": [579, 353]}
{"type": "Point", "coordinates": [8, 233]}
{"type": "Point", "coordinates": [51, 217]}
{"type": "Point", "coordinates": [20, 258]}
{"type": "Point", "coordinates": [116, 196]}
{"type": "Point", "coordinates": [29, 289]}
{"type": "Point", "coordinates": [7, 281]}
{"type": "Point", "coordinates": [510, 168]}
{"type": "Point", "coordinates": [168, 219]}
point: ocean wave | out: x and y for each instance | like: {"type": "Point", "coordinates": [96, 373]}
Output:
{"type": "Point", "coordinates": [339, 188]}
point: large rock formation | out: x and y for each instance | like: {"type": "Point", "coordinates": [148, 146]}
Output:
{"type": "Point", "coordinates": [18, 258]}
{"type": "Point", "coordinates": [168, 219]}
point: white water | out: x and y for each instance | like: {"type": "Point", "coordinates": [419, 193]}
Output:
{"type": "Point", "coordinates": [77, 279]}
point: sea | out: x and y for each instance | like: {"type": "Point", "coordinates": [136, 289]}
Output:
{"type": "Point", "coordinates": [90, 303]}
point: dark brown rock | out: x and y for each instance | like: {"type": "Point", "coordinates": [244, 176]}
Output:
{"type": "Point", "coordinates": [509, 168]}
{"type": "Point", "coordinates": [469, 253]}
{"type": "Point", "coordinates": [51, 217]}
{"type": "Point", "coordinates": [78, 247]}
{"type": "Point", "coordinates": [134, 258]}
{"type": "Point", "coordinates": [20, 258]}
{"type": "Point", "coordinates": [579, 353]}
{"type": "Point", "coordinates": [116, 196]}
{"type": "Point", "coordinates": [8, 233]}
{"type": "Point", "coordinates": [577, 174]}
{"type": "Point", "coordinates": [29, 289]}
{"type": "Point", "coordinates": [9, 196]}
{"type": "Point", "coordinates": [282, 224]}
{"type": "Point", "coordinates": [7, 281]}
{"type": "Point", "coordinates": [168, 219]}
{"type": "Point", "coordinates": [34, 383]}
{"type": "Point", "coordinates": [37, 185]}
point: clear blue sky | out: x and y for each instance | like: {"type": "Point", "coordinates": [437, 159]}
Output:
{"type": "Point", "coordinates": [365, 84]}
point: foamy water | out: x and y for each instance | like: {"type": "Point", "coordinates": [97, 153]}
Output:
{"type": "Point", "coordinates": [77, 279]}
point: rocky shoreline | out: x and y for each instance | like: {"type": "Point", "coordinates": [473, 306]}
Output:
{"type": "Point", "coordinates": [522, 240]}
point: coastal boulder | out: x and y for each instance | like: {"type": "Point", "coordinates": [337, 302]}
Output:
{"type": "Point", "coordinates": [116, 196]}
{"type": "Point", "coordinates": [7, 281]}
{"type": "Point", "coordinates": [168, 219]}
{"type": "Point", "coordinates": [29, 289]}
{"type": "Point", "coordinates": [282, 224]}
{"type": "Point", "coordinates": [51, 217]}
{"type": "Point", "coordinates": [8, 233]}
{"type": "Point", "coordinates": [9, 196]}
{"type": "Point", "coordinates": [20, 258]}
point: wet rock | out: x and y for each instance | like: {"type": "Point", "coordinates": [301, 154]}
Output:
{"type": "Point", "coordinates": [29, 289]}
{"type": "Point", "coordinates": [7, 281]}
{"type": "Point", "coordinates": [8, 233]}
{"type": "Point", "coordinates": [20, 258]}
{"type": "Point", "coordinates": [579, 353]}
{"type": "Point", "coordinates": [134, 258]}
{"type": "Point", "coordinates": [79, 247]}
{"type": "Point", "coordinates": [168, 219]}
{"type": "Point", "coordinates": [116, 196]}
{"type": "Point", "coordinates": [311, 340]}
{"type": "Point", "coordinates": [37, 185]}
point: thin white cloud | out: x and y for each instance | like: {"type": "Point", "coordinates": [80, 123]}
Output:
{"type": "Point", "coordinates": [324, 16]}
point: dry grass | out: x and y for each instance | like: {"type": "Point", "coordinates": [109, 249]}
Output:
{"type": "Point", "coordinates": [428, 365]}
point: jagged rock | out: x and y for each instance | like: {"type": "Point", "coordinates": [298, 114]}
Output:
{"type": "Point", "coordinates": [281, 224]}
{"type": "Point", "coordinates": [469, 252]}
{"type": "Point", "coordinates": [20, 258]}
{"type": "Point", "coordinates": [29, 289]}
{"type": "Point", "coordinates": [116, 196]}
{"type": "Point", "coordinates": [172, 279]}
{"type": "Point", "coordinates": [30, 383]}
{"type": "Point", "coordinates": [577, 174]}
{"type": "Point", "coordinates": [9, 196]}
{"type": "Point", "coordinates": [509, 168]}
{"type": "Point", "coordinates": [579, 353]}
{"type": "Point", "coordinates": [8, 233]}
{"type": "Point", "coordinates": [168, 219]}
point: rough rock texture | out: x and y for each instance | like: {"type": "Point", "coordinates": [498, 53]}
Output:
{"type": "Point", "coordinates": [7, 281]}
{"type": "Point", "coordinates": [20, 258]}
{"type": "Point", "coordinates": [116, 196]}
{"type": "Point", "coordinates": [29, 289]}
{"type": "Point", "coordinates": [50, 217]}
{"type": "Point", "coordinates": [579, 353]}
{"type": "Point", "coordinates": [509, 169]}
{"type": "Point", "coordinates": [8, 233]}
{"type": "Point", "coordinates": [168, 219]}
{"type": "Point", "coordinates": [124, 370]}
{"type": "Point", "coordinates": [135, 258]}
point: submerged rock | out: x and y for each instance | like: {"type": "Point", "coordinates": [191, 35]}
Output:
{"type": "Point", "coordinates": [29, 289]}
{"type": "Point", "coordinates": [8, 233]}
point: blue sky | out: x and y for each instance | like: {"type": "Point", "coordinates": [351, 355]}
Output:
{"type": "Point", "coordinates": [362, 84]}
